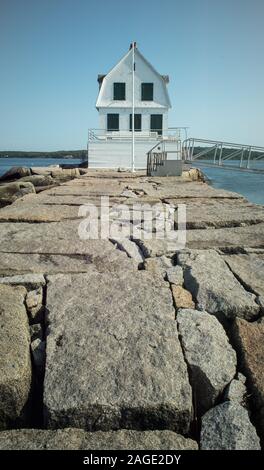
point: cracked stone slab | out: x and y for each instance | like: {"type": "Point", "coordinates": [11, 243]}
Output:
{"type": "Point", "coordinates": [130, 248]}
{"type": "Point", "coordinates": [65, 200]}
{"type": "Point", "coordinates": [228, 427]}
{"type": "Point", "coordinates": [220, 213]}
{"type": "Point", "coordinates": [77, 439]}
{"type": "Point", "coordinates": [156, 247]}
{"type": "Point", "coordinates": [234, 238]}
{"type": "Point", "coordinates": [249, 269]}
{"type": "Point", "coordinates": [114, 359]}
{"type": "Point", "coordinates": [100, 188]}
{"type": "Point", "coordinates": [175, 188]}
{"type": "Point", "coordinates": [51, 238]}
{"type": "Point", "coordinates": [25, 212]}
{"type": "Point", "coordinates": [237, 391]}
{"type": "Point", "coordinates": [227, 238]}
{"type": "Point", "coordinates": [35, 170]}
{"type": "Point", "coordinates": [175, 275]}
{"type": "Point", "coordinates": [158, 265]}
{"type": "Point", "coordinates": [248, 339]}
{"type": "Point", "coordinates": [210, 357]}
{"type": "Point", "coordinates": [30, 281]}
{"type": "Point", "coordinates": [15, 363]}
{"type": "Point", "coordinates": [46, 263]}
{"type": "Point", "coordinates": [10, 192]}
{"type": "Point", "coordinates": [182, 297]}
{"type": "Point", "coordinates": [214, 286]}
{"type": "Point", "coordinates": [193, 190]}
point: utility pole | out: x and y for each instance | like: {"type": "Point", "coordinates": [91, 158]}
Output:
{"type": "Point", "coordinates": [133, 106]}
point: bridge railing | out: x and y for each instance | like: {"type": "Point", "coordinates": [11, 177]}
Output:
{"type": "Point", "coordinates": [220, 152]}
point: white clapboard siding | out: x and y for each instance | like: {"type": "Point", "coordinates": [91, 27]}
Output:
{"type": "Point", "coordinates": [118, 154]}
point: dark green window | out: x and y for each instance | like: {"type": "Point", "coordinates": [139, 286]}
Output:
{"type": "Point", "coordinates": [146, 91]}
{"type": "Point", "coordinates": [137, 122]}
{"type": "Point", "coordinates": [119, 91]}
{"type": "Point", "coordinates": [156, 123]}
{"type": "Point", "coordinates": [113, 122]}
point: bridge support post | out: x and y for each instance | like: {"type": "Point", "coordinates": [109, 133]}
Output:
{"type": "Point", "coordinates": [220, 155]}
{"type": "Point", "coordinates": [249, 156]}
{"type": "Point", "coordinates": [241, 158]}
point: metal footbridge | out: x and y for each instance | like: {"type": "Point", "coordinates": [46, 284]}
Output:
{"type": "Point", "coordinates": [223, 154]}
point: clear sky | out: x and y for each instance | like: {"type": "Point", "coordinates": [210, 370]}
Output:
{"type": "Point", "coordinates": [52, 50]}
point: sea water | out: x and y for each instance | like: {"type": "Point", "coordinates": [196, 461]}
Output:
{"type": "Point", "coordinates": [250, 185]}
{"type": "Point", "coordinates": [7, 163]}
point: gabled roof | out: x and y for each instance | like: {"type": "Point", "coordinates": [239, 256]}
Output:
{"type": "Point", "coordinates": [164, 78]}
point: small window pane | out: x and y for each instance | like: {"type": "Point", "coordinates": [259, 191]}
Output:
{"type": "Point", "coordinates": [156, 123]}
{"type": "Point", "coordinates": [146, 91]}
{"type": "Point", "coordinates": [113, 122]}
{"type": "Point", "coordinates": [119, 91]}
{"type": "Point", "coordinates": [137, 122]}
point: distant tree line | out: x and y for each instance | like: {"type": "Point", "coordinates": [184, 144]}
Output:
{"type": "Point", "coordinates": [78, 154]}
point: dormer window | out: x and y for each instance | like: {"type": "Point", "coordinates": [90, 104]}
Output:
{"type": "Point", "coordinates": [119, 91]}
{"type": "Point", "coordinates": [146, 91]}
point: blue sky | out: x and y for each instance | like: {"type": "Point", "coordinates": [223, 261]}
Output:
{"type": "Point", "coordinates": [52, 50]}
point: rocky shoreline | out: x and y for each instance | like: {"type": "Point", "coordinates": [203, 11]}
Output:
{"type": "Point", "coordinates": [129, 344]}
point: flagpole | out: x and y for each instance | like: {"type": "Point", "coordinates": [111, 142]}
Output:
{"type": "Point", "coordinates": [133, 107]}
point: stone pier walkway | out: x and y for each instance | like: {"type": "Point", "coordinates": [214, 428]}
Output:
{"type": "Point", "coordinates": [131, 343]}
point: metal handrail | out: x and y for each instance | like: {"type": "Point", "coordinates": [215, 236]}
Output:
{"type": "Point", "coordinates": [227, 144]}
{"type": "Point", "coordinates": [156, 145]}
{"type": "Point", "coordinates": [240, 150]}
{"type": "Point", "coordinates": [98, 134]}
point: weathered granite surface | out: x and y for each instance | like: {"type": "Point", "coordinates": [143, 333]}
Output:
{"type": "Point", "coordinates": [113, 355]}
{"type": "Point", "coordinates": [227, 239]}
{"type": "Point", "coordinates": [203, 214]}
{"type": "Point", "coordinates": [214, 286]}
{"type": "Point", "coordinates": [209, 355]}
{"type": "Point", "coordinates": [232, 238]}
{"type": "Point", "coordinates": [182, 297]}
{"type": "Point", "coordinates": [114, 359]}
{"type": "Point", "coordinates": [39, 180]}
{"type": "Point", "coordinates": [9, 192]}
{"type": "Point", "coordinates": [236, 391]}
{"type": "Point", "coordinates": [69, 200]}
{"type": "Point", "coordinates": [249, 269]}
{"type": "Point", "coordinates": [249, 341]}
{"type": "Point", "coordinates": [14, 173]}
{"type": "Point", "coordinates": [158, 265]}
{"type": "Point", "coordinates": [31, 281]}
{"type": "Point", "coordinates": [77, 439]}
{"type": "Point", "coordinates": [130, 248]}
{"type": "Point", "coordinates": [51, 238]}
{"type": "Point", "coordinates": [169, 191]}
{"type": "Point", "coordinates": [228, 427]}
{"type": "Point", "coordinates": [46, 263]}
{"type": "Point", "coordinates": [174, 275]}
{"type": "Point", "coordinates": [15, 364]}
{"type": "Point", "coordinates": [24, 212]}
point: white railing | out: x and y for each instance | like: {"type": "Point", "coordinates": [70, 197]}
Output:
{"type": "Point", "coordinates": [219, 152]}
{"type": "Point", "coordinates": [172, 133]}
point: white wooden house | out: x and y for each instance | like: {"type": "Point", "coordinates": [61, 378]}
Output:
{"type": "Point", "coordinates": [132, 88]}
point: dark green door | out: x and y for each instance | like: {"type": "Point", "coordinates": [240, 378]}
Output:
{"type": "Point", "coordinates": [156, 123]}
